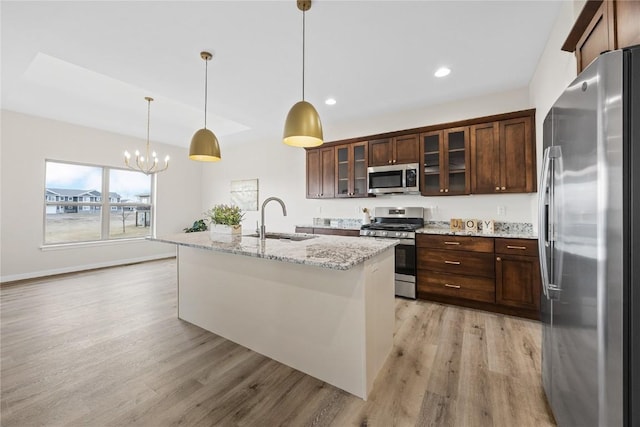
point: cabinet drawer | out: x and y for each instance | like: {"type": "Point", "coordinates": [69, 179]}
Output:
{"type": "Point", "coordinates": [455, 243]}
{"type": "Point", "coordinates": [458, 286]}
{"type": "Point", "coordinates": [528, 247]}
{"type": "Point", "coordinates": [457, 262]}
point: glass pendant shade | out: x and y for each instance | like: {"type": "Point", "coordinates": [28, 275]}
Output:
{"type": "Point", "coordinates": [204, 146]}
{"type": "Point", "coordinates": [303, 127]}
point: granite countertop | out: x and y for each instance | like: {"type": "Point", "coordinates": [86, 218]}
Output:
{"type": "Point", "coordinates": [333, 252]}
{"type": "Point", "coordinates": [510, 234]}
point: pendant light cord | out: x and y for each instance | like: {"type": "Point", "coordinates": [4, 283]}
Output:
{"type": "Point", "coordinates": [303, 44]}
{"type": "Point", "coordinates": [148, 126]}
{"type": "Point", "coordinates": [206, 73]}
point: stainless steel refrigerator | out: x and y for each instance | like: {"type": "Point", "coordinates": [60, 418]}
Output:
{"type": "Point", "coordinates": [589, 213]}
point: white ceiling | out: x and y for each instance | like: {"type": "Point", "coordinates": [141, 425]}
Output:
{"type": "Point", "coordinates": [92, 63]}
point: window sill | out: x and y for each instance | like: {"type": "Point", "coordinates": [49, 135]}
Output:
{"type": "Point", "coordinates": [95, 243]}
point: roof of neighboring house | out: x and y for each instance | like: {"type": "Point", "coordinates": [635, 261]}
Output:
{"type": "Point", "coordinates": [75, 193]}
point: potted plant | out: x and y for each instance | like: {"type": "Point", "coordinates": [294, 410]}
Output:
{"type": "Point", "coordinates": [225, 219]}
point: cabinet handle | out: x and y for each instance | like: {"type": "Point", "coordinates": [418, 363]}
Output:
{"type": "Point", "coordinates": [504, 188]}
{"type": "Point", "coordinates": [497, 188]}
{"type": "Point", "coordinates": [498, 259]}
{"type": "Point", "coordinates": [452, 262]}
{"type": "Point", "coordinates": [522, 248]}
{"type": "Point", "coordinates": [449, 285]}
{"type": "Point", "coordinates": [451, 243]}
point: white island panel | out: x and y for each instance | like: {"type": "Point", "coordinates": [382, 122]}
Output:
{"type": "Point", "coordinates": [336, 325]}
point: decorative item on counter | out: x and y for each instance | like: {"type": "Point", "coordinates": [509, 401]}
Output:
{"type": "Point", "coordinates": [366, 218]}
{"type": "Point", "coordinates": [456, 224]}
{"type": "Point", "coordinates": [225, 219]}
{"type": "Point", "coordinates": [471, 225]}
{"type": "Point", "coordinates": [198, 225]}
{"type": "Point", "coordinates": [488, 226]}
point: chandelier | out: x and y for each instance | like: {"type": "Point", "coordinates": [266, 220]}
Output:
{"type": "Point", "coordinates": [147, 164]}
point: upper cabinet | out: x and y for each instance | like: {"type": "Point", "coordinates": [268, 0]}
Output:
{"type": "Point", "coordinates": [321, 174]}
{"type": "Point", "coordinates": [351, 170]}
{"type": "Point", "coordinates": [503, 157]}
{"type": "Point", "coordinates": [484, 155]}
{"type": "Point", "coordinates": [445, 159]}
{"type": "Point", "coordinates": [398, 150]}
{"type": "Point", "coordinates": [602, 26]}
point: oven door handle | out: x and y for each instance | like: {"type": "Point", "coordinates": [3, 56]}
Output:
{"type": "Point", "coordinates": [408, 242]}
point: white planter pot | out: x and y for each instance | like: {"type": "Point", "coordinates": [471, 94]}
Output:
{"type": "Point", "coordinates": [217, 229]}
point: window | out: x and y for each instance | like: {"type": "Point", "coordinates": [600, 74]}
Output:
{"type": "Point", "coordinates": [85, 215]}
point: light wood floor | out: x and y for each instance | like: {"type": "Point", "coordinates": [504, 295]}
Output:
{"type": "Point", "coordinates": [104, 348]}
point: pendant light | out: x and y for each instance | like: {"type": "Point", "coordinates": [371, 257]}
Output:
{"type": "Point", "coordinates": [147, 165]}
{"type": "Point", "coordinates": [303, 127]}
{"type": "Point", "coordinates": [204, 144]}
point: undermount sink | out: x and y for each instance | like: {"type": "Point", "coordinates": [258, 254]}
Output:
{"type": "Point", "coordinates": [294, 237]}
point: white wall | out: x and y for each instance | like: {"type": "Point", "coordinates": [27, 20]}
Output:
{"type": "Point", "coordinates": [281, 170]}
{"type": "Point", "coordinates": [26, 142]}
{"type": "Point", "coordinates": [555, 70]}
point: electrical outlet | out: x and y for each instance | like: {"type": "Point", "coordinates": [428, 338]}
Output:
{"type": "Point", "coordinates": [502, 210]}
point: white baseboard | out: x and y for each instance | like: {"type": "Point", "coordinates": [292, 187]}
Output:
{"type": "Point", "coordinates": [76, 268]}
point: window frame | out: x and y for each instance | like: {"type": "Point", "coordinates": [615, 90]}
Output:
{"type": "Point", "coordinates": [104, 203]}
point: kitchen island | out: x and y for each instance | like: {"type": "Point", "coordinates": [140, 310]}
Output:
{"type": "Point", "coordinates": [321, 304]}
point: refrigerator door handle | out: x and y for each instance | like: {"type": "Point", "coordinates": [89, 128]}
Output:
{"type": "Point", "coordinates": [545, 222]}
{"type": "Point", "coordinates": [542, 224]}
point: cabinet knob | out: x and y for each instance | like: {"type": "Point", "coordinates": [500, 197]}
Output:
{"type": "Point", "coordinates": [498, 259]}
{"type": "Point", "coordinates": [446, 190]}
{"type": "Point", "coordinates": [504, 188]}
{"type": "Point", "coordinates": [497, 188]}
{"type": "Point", "coordinates": [394, 161]}
{"type": "Point", "coordinates": [441, 190]}
{"type": "Point", "coordinates": [320, 194]}
{"type": "Point", "coordinates": [390, 161]}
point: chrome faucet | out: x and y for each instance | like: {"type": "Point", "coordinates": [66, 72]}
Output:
{"type": "Point", "coordinates": [263, 229]}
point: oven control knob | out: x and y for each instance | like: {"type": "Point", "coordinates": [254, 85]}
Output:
{"type": "Point", "coordinates": [384, 233]}
{"type": "Point", "coordinates": [403, 235]}
{"type": "Point", "coordinates": [371, 233]}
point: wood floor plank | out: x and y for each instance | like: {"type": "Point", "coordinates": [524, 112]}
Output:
{"type": "Point", "coordinates": [105, 348]}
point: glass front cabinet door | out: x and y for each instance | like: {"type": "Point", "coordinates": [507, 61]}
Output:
{"type": "Point", "coordinates": [351, 170]}
{"type": "Point", "coordinates": [445, 156]}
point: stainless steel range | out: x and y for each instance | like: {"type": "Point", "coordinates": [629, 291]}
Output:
{"type": "Point", "coordinates": [399, 223]}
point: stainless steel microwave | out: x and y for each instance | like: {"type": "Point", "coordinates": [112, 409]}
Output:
{"type": "Point", "coordinates": [394, 179]}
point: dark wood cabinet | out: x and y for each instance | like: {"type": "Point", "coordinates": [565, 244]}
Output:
{"type": "Point", "coordinates": [321, 174]}
{"type": "Point", "coordinates": [398, 150]}
{"type": "Point", "coordinates": [494, 274]}
{"type": "Point", "coordinates": [351, 170]}
{"type": "Point", "coordinates": [517, 274]}
{"type": "Point", "coordinates": [456, 267]}
{"type": "Point", "coordinates": [503, 157]}
{"type": "Point", "coordinates": [445, 160]}
{"type": "Point", "coordinates": [484, 155]}
{"type": "Point", "coordinates": [603, 26]}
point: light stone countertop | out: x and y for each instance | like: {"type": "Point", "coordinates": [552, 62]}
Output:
{"type": "Point", "coordinates": [512, 234]}
{"type": "Point", "coordinates": [333, 252]}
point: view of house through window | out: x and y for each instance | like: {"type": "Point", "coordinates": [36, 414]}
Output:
{"type": "Point", "coordinates": [87, 203]}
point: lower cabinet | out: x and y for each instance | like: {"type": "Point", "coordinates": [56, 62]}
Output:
{"type": "Point", "coordinates": [517, 274]}
{"type": "Point", "coordinates": [500, 275]}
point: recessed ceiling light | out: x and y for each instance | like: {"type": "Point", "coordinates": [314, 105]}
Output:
{"type": "Point", "coordinates": [330, 101]}
{"type": "Point", "coordinates": [442, 71]}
